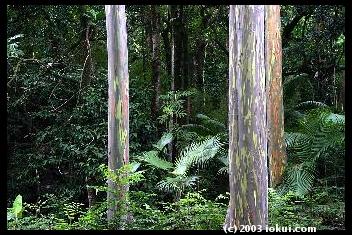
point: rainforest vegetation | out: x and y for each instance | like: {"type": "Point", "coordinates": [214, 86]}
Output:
{"type": "Point", "coordinates": [175, 117]}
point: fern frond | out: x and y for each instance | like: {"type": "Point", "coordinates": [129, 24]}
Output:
{"type": "Point", "coordinates": [291, 138]}
{"type": "Point", "coordinates": [223, 170]}
{"type": "Point", "coordinates": [199, 129]}
{"type": "Point", "coordinates": [336, 118]}
{"type": "Point", "coordinates": [212, 124]}
{"type": "Point", "coordinates": [178, 183]}
{"type": "Point", "coordinates": [197, 154]}
{"type": "Point", "coordinates": [321, 134]}
{"type": "Point", "coordinates": [224, 159]}
{"type": "Point", "coordinates": [299, 178]}
{"type": "Point", "coordinates": [310, 105]}
{"type": "Point", "coordinates": [291, 79]}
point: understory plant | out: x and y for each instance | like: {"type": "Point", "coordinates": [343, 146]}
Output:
{"type": "Point", "coordinates": [192, 211]}
{"type": "Point", "coordinates": [316, 149]}
{"type": "Point", "coordinates": [177, 177]}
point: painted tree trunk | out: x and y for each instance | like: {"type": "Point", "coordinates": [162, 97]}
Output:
{"type": "Point", "coordinates": [248, 175]}
{"type": "Point", "coordinates": [118, 129]}
{"type": "Point", "coordinates": [275, 109]}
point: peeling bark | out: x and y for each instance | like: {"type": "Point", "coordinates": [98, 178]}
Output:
{"type": "Point", "coordinates": [247, 118]}
{"type": "Point", "coordinates": [275, 109]}
{"type": "Point", "coordinates": [118, 129]}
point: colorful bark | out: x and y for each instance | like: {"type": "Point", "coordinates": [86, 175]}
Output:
{"type": "Point", "coordinates": [247, 118]}
{"type": "Point", "coordinates": [275, 109]}
{"type": "Point", "coordinates": [118, 129]}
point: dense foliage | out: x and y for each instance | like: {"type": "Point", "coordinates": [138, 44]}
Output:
{"type": "Point", "coordinates": [57, 119]}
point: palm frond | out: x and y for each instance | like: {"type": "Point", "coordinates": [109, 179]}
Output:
{"type": "Point", "coordinates": [151, 158]}
{"type": "Point", "coordinates": [134, 166]}
{"type": "Point", "coordinates": [164, 140]}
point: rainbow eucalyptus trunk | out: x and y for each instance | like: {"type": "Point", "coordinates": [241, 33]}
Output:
{"type": "Point", "coordinates": [275, 109]}
{"type": "Point", "coordinates": [118, 103]}
{"type": "Point", "coordinates": [248, 175]}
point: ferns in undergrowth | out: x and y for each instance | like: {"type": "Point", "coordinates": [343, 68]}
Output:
{"type": "Point", "coordinates": [206, 126]}
{"type": "Point", "coordinates": [177, 184]}
{"type": "Point", "coordinates": [310, 104]}
{"type": "Point", "coordinates": [320, 139]}
{"type": "Point", "coordinates": [197, 154]}
{"type": "Point", "coordinates": [179, 178]}
{"type": "Point", "coordinates": [151, 158]}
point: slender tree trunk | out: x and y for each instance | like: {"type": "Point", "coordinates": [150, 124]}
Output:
{"type": "Point", "coordinates": [87, 61]}
{"type": "Point", "coordinates": [146, 36]}
{"type": "Point", "coordinates": [342, 92]}
{"type": "Point", "coordinates": [87, 70]}
{"type": "Point", "coordinates": [200, 52]}
{"type": "Point", "coordinates": [171, 120]}
{"type": "Point", "coordinates": [155, 34]}
{"type": "Point", "coordinates": [185, 85]}
{"type": "Point", "coordinates": [90, 193]}
{"type": "Point", "coordinates": [248, 174]}
{"type": "Point", "coordinates": [275, 109]}
{"type": "Point", "coordinates": [203, 74]}
{"type": "Point", "coordinates": [166, 41]}
{"type": "Point", "coordinates": [190, 84]}
{"type": "Point", "coordinates": [118, 129]}
{"type": "Point", "coordinates": [177, 15]}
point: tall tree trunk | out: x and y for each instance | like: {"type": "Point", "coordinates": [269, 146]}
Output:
{"type": "Point", "coordinates": [190, 84]}
{"type": "Point", "coordinates": [87, 62]}
{"type": "Point", "coordinates": [342, 92]}
{"type": "Point", "coordinates": [248, 174]}
{"type": "Point", "coordinates": [203, 74]}
{"type": "Point", "coordinates": [90, 192]}
{"type": "Point", "coordinates": [86, 77]}
{"type": "Point", "coordinates": [87, 30]}
{"type": "Point", "coordinates": [275, 109]}
{"type": "Point", "coordinates": [155, 35]}
{"type": "Point", "coordinates": [166, 41]}
{"type": "Point", "coordinates": [200, 49]}
{"type": "Point", "coordinates": [118, 129]}
{"type": "Point", "coordinates": [177, 28]}
{"type": "Point", "coordinates": [186, 84]}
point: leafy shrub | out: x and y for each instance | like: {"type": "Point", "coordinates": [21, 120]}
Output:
{"type": "Point", "coordinates": [286, 210]}
{"type": "Point", "coordinates": [323, 208]}
{"type": "Point", "coordinates": [191, 212]}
